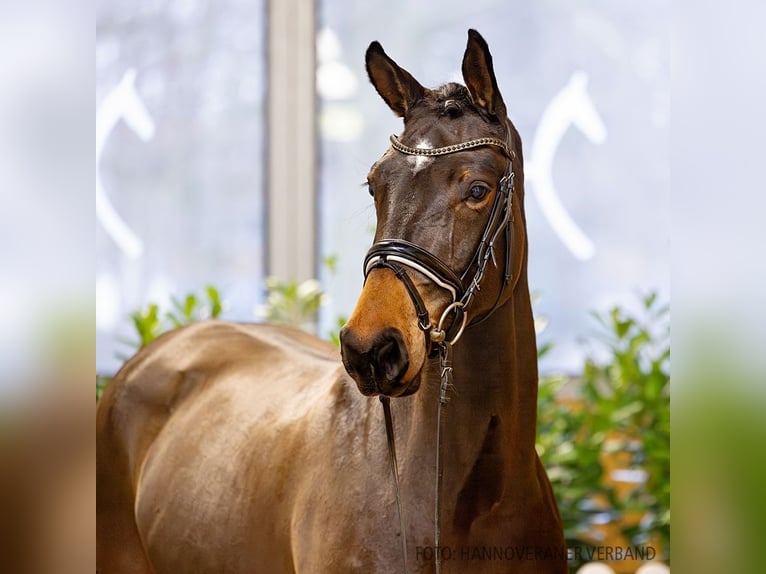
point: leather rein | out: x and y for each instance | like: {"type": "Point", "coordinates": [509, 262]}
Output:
{"type": "Point", "coordinates": [398, 254]}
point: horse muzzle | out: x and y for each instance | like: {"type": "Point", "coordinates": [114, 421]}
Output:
{"type": "Point", "coordinates": [378, 366]}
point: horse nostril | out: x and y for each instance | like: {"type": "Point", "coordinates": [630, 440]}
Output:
{"type": "Point", "coordinates": [353, 355]}
{"type": "Point", "coordinates": [342, 334]}
{"type": "Point", "coordinates": [380, 365]}
{"type": "Point", "coordinates": [390, 356]}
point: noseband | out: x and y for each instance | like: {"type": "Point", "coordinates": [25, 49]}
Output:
{"type": "Point", "coordinates": [396, 253]}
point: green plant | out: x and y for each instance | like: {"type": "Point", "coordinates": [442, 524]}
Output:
{"type": "Point", "coordinates": [101, 383]}
{"type": "Point", "coordinates": [296, 304]}
{"type": "Point", "coordinates": [150, 322]}
{"type": "Point", "coordinates": [292, 303]}
{"type": "Point", "coordinates": [541, 322]}
{"type": "Point", "coordinates": [619, 408]}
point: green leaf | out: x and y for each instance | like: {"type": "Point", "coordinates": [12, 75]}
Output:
{"type": "Point", "coordinates": [621, 328]}
{"type": "Point", "coordinates": [147, 324]}
{"type": "Point", "coordinates": [331, 263]}
{"type": "Point", "coordinates": [214, 297]}
{"type": "Point", "coordinates": [174, 320]}
{"type": "Point", "coordinates": [544, 349]}
{"type": "Point", "coordinates": [650, 299]}
{"type": "Point", "coordinates": [190, 304]}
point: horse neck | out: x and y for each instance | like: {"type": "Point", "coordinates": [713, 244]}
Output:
{"type": "Point", "coordinates": [496, 368]}
{"type": "Point", "coordinates": [492, 409]}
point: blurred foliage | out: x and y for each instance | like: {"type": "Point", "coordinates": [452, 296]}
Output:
{"type": "Point", "coordinates": [719, 430]}
{"type": "Point", "coordinates": [101, 383]}
{"type": "Point", "coordinates": [619, 408]}
{"type": "Point", "coordinates": [334, 335]}
{"type": "Point", "coordinates": [331, 263]}
{"type": "Point", "coordinates": [287, 303]}
{"type": "Point", "coordinates": [151, 322]}
{"type": "Point", "coordinates": [292, 303]}
{"type": "Point", "coordinates": [296, 304]}
{"type": "Point", "coordinates": [541, 322]}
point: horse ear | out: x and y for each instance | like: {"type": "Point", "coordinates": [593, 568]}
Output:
{"type": "Point", "coordinates": [479, 76]}
{"type": "Point", "coordinates": [394, 84]}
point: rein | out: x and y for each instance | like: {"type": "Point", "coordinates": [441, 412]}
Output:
{"type": "Point", "coordinates": [395, 254]}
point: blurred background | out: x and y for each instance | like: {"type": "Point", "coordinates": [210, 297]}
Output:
{"type": "Point", "coordinates": [232, 143]}
{"type": "Point", "coordinates": [230, 120]}
{"type": "Point", "coordinates": [212, 114]}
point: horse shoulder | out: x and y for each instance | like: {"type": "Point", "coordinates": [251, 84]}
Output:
{"type": "Point", "coordinates": [220, 416]}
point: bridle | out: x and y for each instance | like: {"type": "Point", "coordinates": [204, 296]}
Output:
{"type": "Point", "coordinates": [393, 253]}
{"type": "Point", "coordinates": [396, 254]}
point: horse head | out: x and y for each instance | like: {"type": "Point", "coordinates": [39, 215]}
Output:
{"type": "Point", "coordinates": [443, 200]}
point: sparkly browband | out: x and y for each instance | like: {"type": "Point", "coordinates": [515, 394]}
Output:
{"type": "Point", "coordinates": [452, 148]}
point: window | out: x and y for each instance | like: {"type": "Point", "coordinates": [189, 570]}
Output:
{"type": "Point", "coordinates": [180, 157]}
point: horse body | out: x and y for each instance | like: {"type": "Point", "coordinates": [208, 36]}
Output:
{"type": "Point", "coordinates": [209, 426]}
{"type": "Point", "coordinates": [227, 461]}
{"type": "Point", "coordinates": [235, 448]}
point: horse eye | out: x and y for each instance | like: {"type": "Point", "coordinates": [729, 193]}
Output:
{"type": "Point", "coordinates": [370, 190]}
{"type": "Point", "coordinates": [478, 192]}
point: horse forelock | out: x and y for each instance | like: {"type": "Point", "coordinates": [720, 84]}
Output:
{"type": "Point", "coordinates": [453, 100]}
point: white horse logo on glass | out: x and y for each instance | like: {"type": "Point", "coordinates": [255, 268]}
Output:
{"type": "Point", "coordinates": [571, 106]}
{"type": "Point", "coordinates": [123, 102]}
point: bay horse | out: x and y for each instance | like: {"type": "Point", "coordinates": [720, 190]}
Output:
{"type": "Point", "coordinates": [240, 448]}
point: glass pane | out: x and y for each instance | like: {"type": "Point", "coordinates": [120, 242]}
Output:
{"type": "Point", "coordinates": [180, 137]}
{"type": "Point", "coordinates": [587, 86]}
